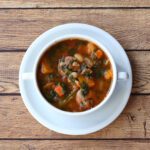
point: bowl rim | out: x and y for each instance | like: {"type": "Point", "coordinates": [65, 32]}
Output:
{"type": "Point", "coordinates": [87, 38]}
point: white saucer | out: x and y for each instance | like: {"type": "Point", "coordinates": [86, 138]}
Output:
{"type": "Point", "coordinates": [101, 118]}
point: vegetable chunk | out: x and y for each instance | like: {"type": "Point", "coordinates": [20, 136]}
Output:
{"type": "Point", "coordinates": [45, 67]}
{"type": "Point", "coordinates": [99, 54]}
{"type": "Point", "coordinates": [59, 90]}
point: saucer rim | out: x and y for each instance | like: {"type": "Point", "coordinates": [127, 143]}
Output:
{"type": "Point", "coordinates": [60, 130]}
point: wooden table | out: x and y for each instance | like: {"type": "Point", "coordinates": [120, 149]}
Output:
{"type": "Point", "coordinates": [21, 21]}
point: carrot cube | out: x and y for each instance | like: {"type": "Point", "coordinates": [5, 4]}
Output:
{"type": "Point", "coordinates": [99, 54]}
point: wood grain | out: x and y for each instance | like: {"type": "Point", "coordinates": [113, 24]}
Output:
{"type": "Point", "coordinates": [75, 144]}
{"type": "Point", "coordinates": [9, 71]}
{"type": "Point", "coordinates": [10, 63]}
{"type": "Point", "coordinates": [19, 27]}
{"type": "Point", "coordinates": [16, 122]}
{"type": "Point", "coordinates": [21, 21]}
{"type": "Point", "coordinates": [140, 62]}
{"type": "Point", "coordinates": [72, 3]}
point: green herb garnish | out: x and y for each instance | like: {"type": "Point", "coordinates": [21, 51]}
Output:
{"type": "Point", "coordinates": [84, 89]}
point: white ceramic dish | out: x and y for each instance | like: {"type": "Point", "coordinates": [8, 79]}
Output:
{"type": "Point", "coordinates": [79, 124]}
{"type": "Point", "coordinates": [116, 75]}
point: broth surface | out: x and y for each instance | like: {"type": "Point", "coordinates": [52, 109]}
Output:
{"type": "Point", "coordinates": [74, 75]}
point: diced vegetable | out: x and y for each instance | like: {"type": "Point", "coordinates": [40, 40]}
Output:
{"type": "Point", "coordinates": [59, 90]}
{"type": "Point", "coordinates": [108, 74]}
{"type": "Point", "coordinates": [90, 48]}
{"type": "Point", "coordinates": [45, 67]}
{"type": "Point", "coordinates": [78, 57]}
{"type": "Point", "coordinates": [99, 54]}
{"type": "Point", "coordinates": [81, 79]}
{"type": "Point", "coordinates": [90, 82]}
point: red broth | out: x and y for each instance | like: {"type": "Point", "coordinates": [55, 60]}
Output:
{"type": "Point", "coordinates": [74, 75]}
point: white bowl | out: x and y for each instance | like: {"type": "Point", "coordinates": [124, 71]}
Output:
{"type": "Point", "coordinates": [76, 121]}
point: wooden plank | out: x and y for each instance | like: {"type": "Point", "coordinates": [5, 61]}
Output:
{"type": "Point", "coordinates": [19, 27]}
{"type": "Point", "coordinates": [75, 144]}
{"type": "Point", "coordinates": [72, 3]}
{"type": "Point", "coordinates": [10, 63]}
{"type": "Point", "coordinates": [9, 70]}
{"type": "Point", "coordinates": [140, 70]}
{"type": "Point", "coordinates": [16, 122]}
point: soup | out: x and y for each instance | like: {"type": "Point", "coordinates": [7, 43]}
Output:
{"type": "Point", "coordinates": [74, 75]}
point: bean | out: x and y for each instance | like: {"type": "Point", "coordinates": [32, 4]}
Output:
{"type": "Point", "coordinates": [78, 57]}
